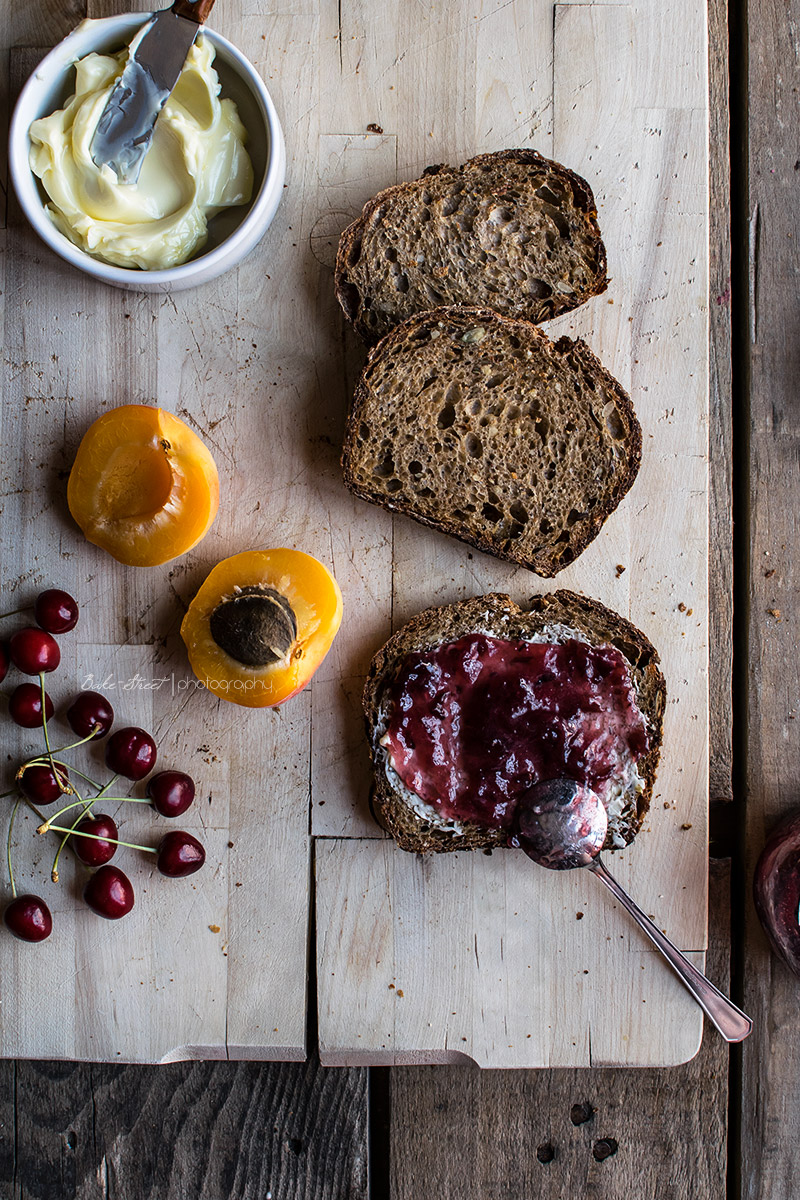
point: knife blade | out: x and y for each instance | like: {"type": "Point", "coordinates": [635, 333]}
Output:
{"type": "Point", "coordinates": [156, 57]}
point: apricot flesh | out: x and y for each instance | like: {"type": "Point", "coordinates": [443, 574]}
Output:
{"type": "Point", "coordinates": [143, 486]}
{"type": "Point", "coordinates": [290, 582]}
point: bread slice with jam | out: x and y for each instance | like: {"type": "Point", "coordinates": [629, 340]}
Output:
{"type": "Point", "coordinates": [483, 428]}
{"type": "Point", "coordinates": [562, 618]}
{"type": "Point", "coordinates": [512, 231]}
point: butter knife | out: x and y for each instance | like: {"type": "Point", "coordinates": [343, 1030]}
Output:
{"type": "Point", "coordinates": [157, 54]}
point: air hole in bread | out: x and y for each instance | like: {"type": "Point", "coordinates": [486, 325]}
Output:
{"type": "Point", "coordinates": [401, 282]}
{"type": "Point", "coordinates": [434, 297]}
{"type": "Point", "coordinates": [384, 467]}
{"type": "Point", "coordinates": [364, 431]}
{"type": "Point", "coordinates": [550, 471]}
{"type": "Point", "coordinates": [354, 253]}
{"type": "Point", "coordinates": [495, 380]}
{"type": "Point", "coordinates": [542, 427]}
{"type": "Point", "coordinates": [573, 516]}
{"type": "Point", "coordinates": [447, 416]}
{"type": "Point", "coordinates": [549, 196]}
{"type": "Point", "coordinates": [390, 254]}
{"type": "Point", "coordinates": [500, 216]}
{"type": "Point", "coordinates": [475, 407]}
{"type": "Point", "coordinates": [350, 299]}
{"type": "Point", "coordinates": [393, 485]}
{"type": "Point", "coordinates": [545, 526]}
{"type": "Point", "coordinates": [519, 512]}
{"type": "Point", "coordinates": [415, 467]}
{"type": "Point", "coordinates": [558, 219]}
{"type": "Point", "coordinates": [474, 446]}
{"type": "Point", "coordinates": [450, 205]}
{"type": "Point", "coordinates": [613, 422]}
{"type": "Point", "coordinates": [425, 216]}
{"type": "Point", "coordinates": [539, 289]}
{"type": "Point", "coordinates": [491, 513]}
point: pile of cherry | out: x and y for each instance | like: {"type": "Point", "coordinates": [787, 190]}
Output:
{"type": "Point", "coordinates": [46, 779]}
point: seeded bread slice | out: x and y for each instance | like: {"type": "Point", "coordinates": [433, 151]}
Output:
{"type": "Point", "coordinates": [479, 426]}
{"type": "Point", "coordinates": [560, 616]}
{"type": "Point", "coordinates": [512, 231]}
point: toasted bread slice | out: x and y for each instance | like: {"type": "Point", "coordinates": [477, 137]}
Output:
{"type": "Point", "coordinates": [479, 426]}
{"type": "Point", "coordinates": [511, 231]}
{"type": "Point", "coordinates": [558, 617]}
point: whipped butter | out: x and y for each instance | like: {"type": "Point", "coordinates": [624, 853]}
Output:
{"type": "Point", "coordinates": [196, 166]}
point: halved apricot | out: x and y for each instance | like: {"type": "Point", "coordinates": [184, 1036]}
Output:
{"type": "Point", "coordinates": [143, 486]}
{"type": "Point", "coordinates": [261, 624]}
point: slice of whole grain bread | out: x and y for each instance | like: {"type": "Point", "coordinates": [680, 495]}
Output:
{"type": "Point", "coordinates": [560, 616]}
{"type": "Point", "coordinates": [511, 231]}
{"type": "Point", "coordinates": [479, 426]}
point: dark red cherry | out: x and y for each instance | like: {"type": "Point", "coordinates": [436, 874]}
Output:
{"type": "Point", "coordinates": [56, 611]}
{"type": "Point", "coordinates": [25, 706]}
{"type": "Point", "coordinates": [171, 792]}
{"type": "Point", "coordinates": [96, 853]}
{"type": "Point", "coordinates": [33, 651]}
{"type": "Point", "coordinates": [180, 854]}
{"type": "Point", "coordinates": [90, 713]}
{"type": "Point", "coordinates": [29, 918]}
{"type": "Point", "coordinates": [131, 752]}
{"type": "Point", "coordinates": [109, 893]}
{"type": "Point", "coordinates": [4, 661]}
{"type": "Point", "coordinates": [40, 785]}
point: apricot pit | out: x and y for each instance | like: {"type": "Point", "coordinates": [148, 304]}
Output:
{"type": "Point", "coordinates": [261, 624]}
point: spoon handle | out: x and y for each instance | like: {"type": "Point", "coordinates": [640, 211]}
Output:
{"type": "Point", "coordinates": [729, 1020]}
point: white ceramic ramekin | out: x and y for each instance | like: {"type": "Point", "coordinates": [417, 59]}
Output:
{"type": "Point", "coordinates": [232, 234]}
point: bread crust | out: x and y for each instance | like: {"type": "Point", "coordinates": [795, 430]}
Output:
{"type": "Point", "coordinates": [352, 298]}
{"type": "Point", "coordinates": [498, 615]}
{"type": "Point", "coordinates": [550, 557]}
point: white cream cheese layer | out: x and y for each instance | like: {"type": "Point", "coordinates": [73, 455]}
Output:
{"type": "Point", "coordinates": [196, 166]}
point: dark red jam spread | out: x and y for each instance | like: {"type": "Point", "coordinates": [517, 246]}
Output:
{"type": "Point", "coordinates": [475, 722]}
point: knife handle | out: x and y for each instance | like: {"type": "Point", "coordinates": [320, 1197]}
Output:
{"type": "Point", "coordinates": [193, 10]}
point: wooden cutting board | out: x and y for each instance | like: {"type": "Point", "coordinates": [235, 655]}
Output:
{"type": "Point", "coordinates": [415, 960]}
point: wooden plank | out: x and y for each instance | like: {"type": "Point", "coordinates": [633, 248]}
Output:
{"type": "Point", "coordinates": [223, 1130]}
{"type": "Point", "coordinates": [720, 435]}
{"type": "Point", "coordinates": [204, 355]}
{"type": "Point", "coordinates": [481, 960]}
{"type": "Point", "coordinates": [550, 1134]}
{"type": "Point", "coordinates": [649, 166]}
{"type": "Point", "coordinates": [770, 491]}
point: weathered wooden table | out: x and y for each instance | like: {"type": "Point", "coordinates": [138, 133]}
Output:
{"type": "Point", "coordinates": [723, 1124]}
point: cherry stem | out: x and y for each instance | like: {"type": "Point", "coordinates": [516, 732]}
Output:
{"type": "Point", "coordinates": [15, 611]}
{"type": "Point", "coordinates": [47, 735]}
{"type": "Point", "coordinates": [98, 837]}
{"type": "Point", "coordinates": [82, 803]}
{"type": "Point", "coordinates": [13, 792]}
{"type": "Point", "coordinates": [8, 849]}
{"type": "Point", "coordinates": [33, 762]}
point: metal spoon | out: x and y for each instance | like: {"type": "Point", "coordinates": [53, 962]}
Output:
{"type": "Point", "coordinates": [561, 825]}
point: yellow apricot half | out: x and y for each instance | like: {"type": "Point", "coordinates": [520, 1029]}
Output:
{"type": "Point", "coordinates": [143, 486]}
{"type": "Point", "coordinates": [261, 624]}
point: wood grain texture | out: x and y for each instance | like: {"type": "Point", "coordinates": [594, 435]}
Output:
{"type": "Point", "coordinates": [771, 1058]}
{"type": "Point", "coordinates": [613, 1135]}
{"type": "Point", "coordinates": [220, 1131]}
